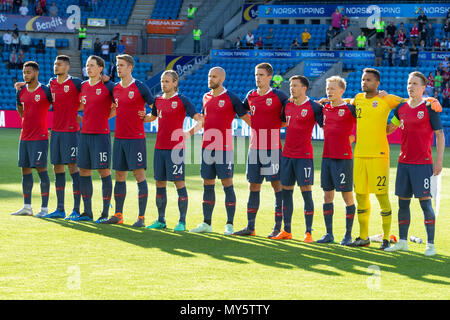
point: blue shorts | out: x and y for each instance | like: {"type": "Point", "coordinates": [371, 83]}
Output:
{"type": "Point", "coordinates": [413, 179]}
{"type": "Point", "coordinates": [300, 170]}
{"type": "Point", "coordinates": [94, 151]}
{"type": "Point", "coordinates": [336, 174]}
{"type": "Point", "coordinates": [263, 164]}
{"type": "Point", "coordinates": [64, 147]}
{"type": "Point", "coordinates": [129, 154]}
{"type": "Point", "coordinates": [168, 165]}
{"type": "Point", "coordinates": [217, 163]}
{"type": "Point", "coordinates": [33, 154]}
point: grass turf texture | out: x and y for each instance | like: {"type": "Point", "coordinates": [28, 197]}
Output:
{"type": "Point", "coordinates": [55, 259]}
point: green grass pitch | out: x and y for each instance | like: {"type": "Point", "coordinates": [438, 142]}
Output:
{"type": "Point", "coordinates": [54, 259]}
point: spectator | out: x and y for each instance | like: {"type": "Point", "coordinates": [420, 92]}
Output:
{"type": "Point", "coordinates": [422, 46]}
{"type": "Point", "coordinates": [277, 80]}
{"type": "Point", "coordinates": [250, 40]}
{"type": "Point", "coordinates": [445, 76]}
{"type": "Point", "coordinates": [344, 23]}
{"type": "Point", "coordinates": [191, 12]}
{"type": "Point", "coordinates": [43, 4]}
{"type": "Point", "coordinates": [436, 45]}
{"type": "Point", "coordinates": [259, 43]}
{"type": "Point", "coordinates": [448, 14]}
{"type": "Point", "coordinates": [7, 39]}
{"type": "Point", "coordinates": [15, 30]}
{"type": "Point", "coordinates": [336, 20]}
{"type": "Point", "coordinates": [196, 35]}
{"type": "Point", "coordinates": [402, 27]}
{"type": "Point", "coordinates": [8, 5]}
{"type": "Point", "coordinates": [361, 41]}
{"type": "Point", "coordinates": [112, 50]}
{"type": "Point", "coordinates": [446, 96]}
{"type": "Point", "coordinates": [295, 45]}
{"type": "Point", "coordinates": [121, 48]}
{"type": "Point", "coordinates": [437, 96]}
{"type": "Point", "coordinates": [305, 38]}
{"type": "Point", "coordinates": [414, 34]}
{"type": "Point", "coordinates": [94, 6]}
{"type": "Point", "coordinates": [25, 41]}
{"type": "Point", "coordinates": [422, 20]}
{"type": "Point", "coordinates": [237, 43]}
{"type": "Point", "coordinates": [53, 11]}
{"type": "Point", "coordinates": [97, 47]}
{"type": "Point", "coordinates": [430, 84]}
{"type": "Point", "coordinates": [438, 81]}
{"type": "Point", "coordinates": [269, 39]}
{"type": "Point", "coordinates": [380, 26]}
{"type": "Point", "coordinates": [15, 42]}
{"type": "Point", "coordinates": [389, 42]}
{"type": "Point", "coordinates": [391, 29]}
{"type": "Point", "coordinates": [414, 55]}
{"type": "Point", "coordinates": [329, 35]}
{"type": "Point", "coordinates": [440, 67]}
{"type": "Point", "coordinates": [82, 34]}
{"type": "Point", "coordinates": [392, 55]}
{"type": "Point", "coordinates": [403, 53]}
{"type": "Point", "coordinates": [20, 59]}
{"type": "Point", "coordinates": [444, 44]}
{"type": "Point", "coordinates": [39, 11]}
{"type": "Point", "coordinates": [112, 73]}
{"type": "Point", "coordinates": [85, 74]}
{"type": "Point", "coordinates": [12, 62]}
{"type": "Point", "coordinates": [40, 48]}
{"type": "Point", "coordinates": [445, 63]}
{"type": "Point", "coordinates": [401, 38]}
{"type": "Point", "coordinates": [429, 36]}
{"type": "Point", "coordinates": [423, 34]}
{"type": "Point", "coordinates": [23, 10]}
{"type": "Point", "coordinates": [105, 51]}
{"type": "Point", "coordinates": [349, 41]}
{"type": "Point", "coordinates": [379, 54]}
{"type": "Point", "coordinates": [16, 5]}
{"type": "Point", "coordinates": [446, 28]}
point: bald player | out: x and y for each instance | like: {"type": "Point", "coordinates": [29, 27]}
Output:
{"type": "Point", "coordinates": [220, 107]}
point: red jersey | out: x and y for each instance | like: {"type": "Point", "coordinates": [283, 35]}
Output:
{"type": "Point", "coordinates": [300, 121]}
{"type": "Point", "coordinates": [97, 100]}
{"type": "Point", "coordinates": [265, 112]}
{"type": "Point", "coordinates": [171, 114]}
{"type": "Point", "coordinates": [338, 125]}
{"type": "Point", "coordinates": [35, 106]}
{"type": "Point", "coordinates": [401, 38]}
{"type": "Point", "coordinates": [414, 32]}
{"type": "Point", "coordinates": [417, 125]}
{"type": "Point", "coordinates": [129, 101]}
{"type": "Point", "coordinates": [66, 101]}
{"type": "Point", "coordinates": [219, 113]}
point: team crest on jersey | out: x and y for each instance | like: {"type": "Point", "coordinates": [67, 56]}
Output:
{"type": "Point", "coordinates": [420, 114]}
{"type": "Point", "coordinates": [98, 91]}
{"type": "Point", "coordinates": [174, 104]}
{"type": "Point", "coordinates": [131, 94]}
{"type": "Point", "coordinates": [221, 103]}
{"type": "Point", "coordinates": [269, 101]}
{"type": "Point", "coordinates": [304, 112]}
{"type": "Point", "coordinates": [37, 98]}
{"type": "Point", "coordinates": [341, 112]}
{"type": "Point", "coordinates": [375, 104]}
{"type": "Point", "coordinates": [66, 89]}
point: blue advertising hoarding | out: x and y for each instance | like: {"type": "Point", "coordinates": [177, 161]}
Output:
{"type": "Point", "coordinates": [37, 23]}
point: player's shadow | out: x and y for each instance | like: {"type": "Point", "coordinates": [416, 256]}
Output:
{"type": "Point", "coordinates": [331, 259]}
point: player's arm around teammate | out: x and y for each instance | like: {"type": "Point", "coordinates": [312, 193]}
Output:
{"type": "Point", "coordinates": [417, 121]}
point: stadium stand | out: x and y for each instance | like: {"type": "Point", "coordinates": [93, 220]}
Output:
{"type": "Point", "coordinates": [166, 9]}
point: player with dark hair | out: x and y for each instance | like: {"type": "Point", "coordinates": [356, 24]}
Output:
{"type": "Point", "coordinates": [168, 164]}
{"type": "Point", "coordinates": [418, 121]}
{"type": "Point", "coordinates": [33, 103]}
{"type": "Point", "coordinates": [297, 163]}
{"type": "Point", "coordinates": [263, 160]}
{"type": "Point", "coordinates": [94, 151]}
{"type": "Point", "coordinates": [220, 107]}
{"type": "Point", "coordinates": [129, 150]}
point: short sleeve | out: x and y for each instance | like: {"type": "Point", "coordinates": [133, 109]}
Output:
{"type": "Point", "coordinates": [155, 109]}
{"type": "Point", "coordinates": [435, 118]}
{"type": "Point", "coordinates": [188, 106]}
{"type": "Point", "coordinates": [245, 103]}
{"type": "Point", "coordinates": [238, 106]}
{"type": "Point", "coordinates": [283, 114]}
{"type": "Point", "coordinates": [77, 83]}
{"type": "Point", "coordinates": [352, 109]}
{"type": "Point", "coordinates": [393, 101]}
{"type": "Point", "coordinates": [145, 93]}
{"type": "Point", "coordinates": [18, 102]}
{"type": "Point", "coordinates": [110, 86]}
{"type": "Point", "coordinates": [48, 93]}
{"type": "Point", "coordinates": [318, 113]}
{"type": "Point", "coordinates": [282, 96]}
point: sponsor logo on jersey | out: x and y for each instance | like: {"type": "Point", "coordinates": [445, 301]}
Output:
{"type": "Point", "coordinates": [174, 104]}
{"type": "Point", "coordinates": [66, 89]}
{"type": "Point", "coordinates": [131, 94]}
{"type": "Point", "coordinates": [304, 112]}
{"type": "Point", "coordinates": [269, 101]}
{"type": "Point", "coordinates": [375, 104]}
{"type": "Point", "coordinates": [341, 112]}
{"type": "Point", "coordinates": [420, 114]}
{"type": "Point", "coordinates": [98, 91]}
{"type": "Point", "coordinates": [37, 97]}
{"type": "Point", "coordinates": [221, 103]}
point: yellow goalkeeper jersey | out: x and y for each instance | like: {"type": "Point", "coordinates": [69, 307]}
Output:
{"type": "Point", "coordinates": [371, 120]}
